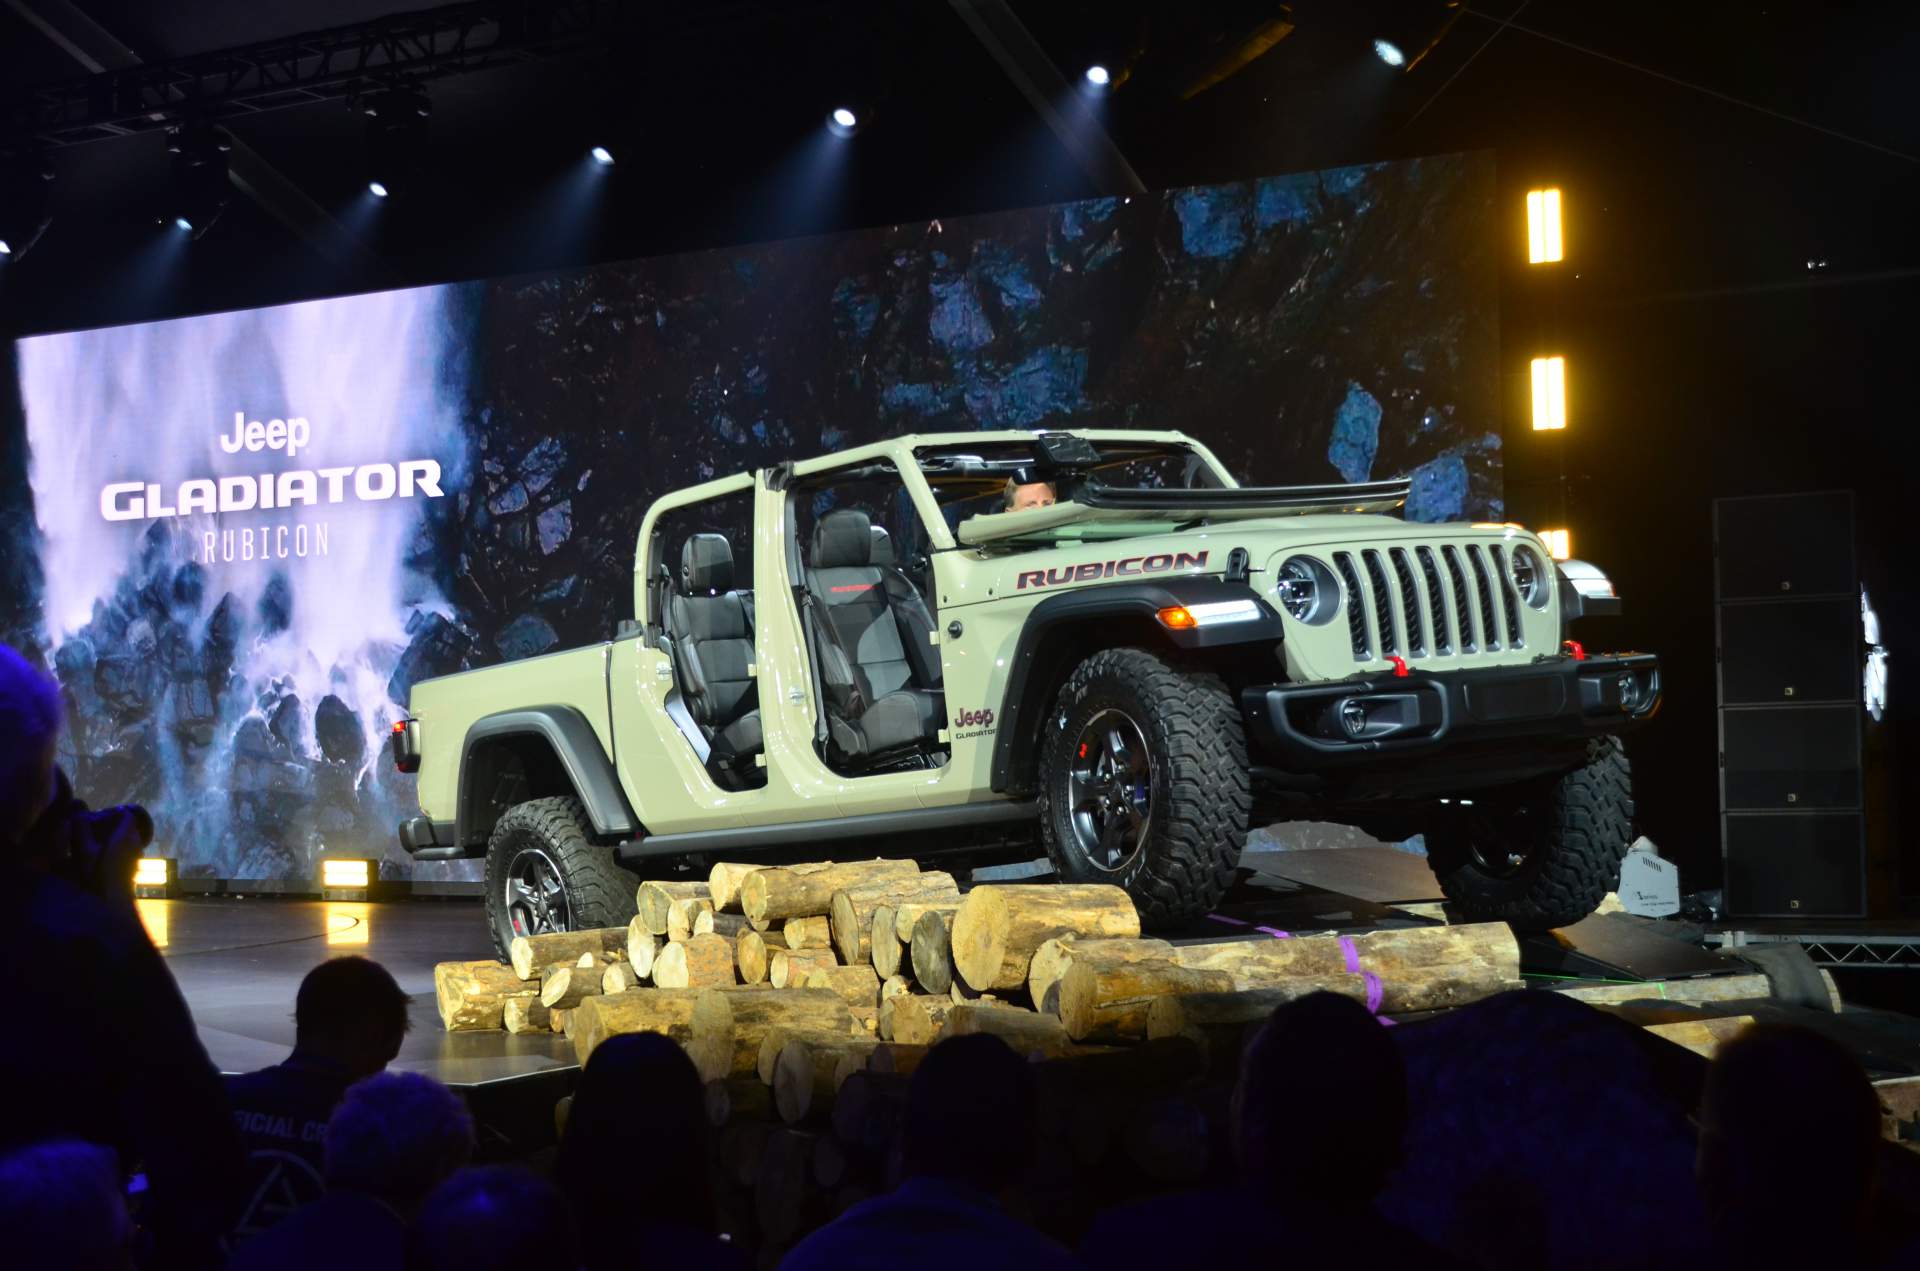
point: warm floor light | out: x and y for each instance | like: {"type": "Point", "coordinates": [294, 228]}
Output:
{"type": "Point", "coordinates": [348, 923]}
{"type": "Point", "coordinates": [1559, 543]}
{"type": "Point", "coordinates": [345, 875]}
{"type": "Point", "coordinates": [1543, 226]}
{"type": "Point", "coordinates": [1549, 393]}
{"type": "Point", "coordinates": [153, 871]}
{"type": "Point", "coordinates": [153, 916]}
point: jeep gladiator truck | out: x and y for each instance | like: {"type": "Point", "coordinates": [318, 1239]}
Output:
{"type": "Point", "coordinates": [871, 653]}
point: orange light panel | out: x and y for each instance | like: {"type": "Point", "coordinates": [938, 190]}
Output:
{"type": "Point", "coordinates": [1543, 227]}
{"type": "Point", "coordinates": [153, 871]}
{"type": "Point", "coordinates": [345, 874]}
{"type": "Point", "coordinates": [1549, 393]}
{"type": "Point", "coordinates": [1559, 543]}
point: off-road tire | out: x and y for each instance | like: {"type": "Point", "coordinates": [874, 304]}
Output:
{"type": "Point", "coordinates": [1571, 831]}
{"type": "Point", "coordinates": [599, 892]}
{"type": "Point", "coordinates": [1200, 797]}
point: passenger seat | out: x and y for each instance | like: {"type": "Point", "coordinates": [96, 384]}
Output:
{"type": "Point", "coordinates": [712, 628]}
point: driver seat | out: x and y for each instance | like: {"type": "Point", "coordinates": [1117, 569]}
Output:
{"type": "Point", "coordinates": [879, 669]}
{"type": "Point", "coordinates": [713, 650]}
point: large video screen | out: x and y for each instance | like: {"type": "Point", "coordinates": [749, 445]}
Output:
{"type": "Point", "coordinates": [237, 539]}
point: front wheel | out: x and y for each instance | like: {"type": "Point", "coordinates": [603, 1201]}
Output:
{"type": "Point", "coordinates": [1143, 783]}
{"type": "Point", "coordinates": [1546, 858]}
{"type": "Point", "coordinates": [545, 873]}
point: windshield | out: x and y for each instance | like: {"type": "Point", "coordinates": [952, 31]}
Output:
{"type": "Point", "coordinates": [982, 480]}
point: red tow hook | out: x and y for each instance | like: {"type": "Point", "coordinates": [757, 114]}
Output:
{"type": "Point", "coordinates": [1399, 666]}
{"type": "Point", "coordinates": [1576, 651]}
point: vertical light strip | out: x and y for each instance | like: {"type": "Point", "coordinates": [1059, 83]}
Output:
{"type": "Point", "coordinates": [1559, 543]}
{"type": "Point", "coordinates": [1543, 227]}
{"type": "Point", "coordinates": [1549, 393]}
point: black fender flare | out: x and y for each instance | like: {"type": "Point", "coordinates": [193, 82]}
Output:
{"type": "Point", "coordinates": [1020, 712]}
{"type": "Point", "coordinates": [566, 731]}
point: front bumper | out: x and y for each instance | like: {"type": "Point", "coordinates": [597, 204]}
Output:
{"type": "Point", "coordinates": [1309, 727]}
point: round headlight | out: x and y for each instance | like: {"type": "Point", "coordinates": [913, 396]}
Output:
{"type": "Point", "coordinates": [1531, 576]}
{"type": "Point", "coordinates": [1307, 590]}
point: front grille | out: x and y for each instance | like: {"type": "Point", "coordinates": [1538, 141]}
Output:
{"type": "Point", "coordinates": [1484, 585]}
{"type": "Point", "coordinates": [1510, 594]}
{"type": "Point", "coordinates": [1436, 602]}
{"type": "Point", "coordinates": [1462, 606]}
{"type": "Point", "coordinates": [1356, 608]}
{"type": "Point", "coordinates": [1382, 604]}
{"type": "Point", "coordinates": [1409, 603]}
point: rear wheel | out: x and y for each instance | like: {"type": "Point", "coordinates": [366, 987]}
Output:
{"type": "Point", "coordinates": [545, 873]}
{"type": "Point", "coordinates": [1143, 783]}
{"type": "Point", "coordinates": [1546, 857]}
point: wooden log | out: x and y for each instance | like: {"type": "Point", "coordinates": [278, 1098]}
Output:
{"type": "Point", "coordinates": [525, 1014]}
{"type": "Point", "coordinates": [641, 946]}
{"type": "Point", "coordinates": [931, 953]}
{"type": "Point", "coordinates": [562, 1021]}
{"type": "Point", "coordinates": [895, 986]}
{"type": "Point", "coordinates": [866, 1020]}
{"type": "Point", "coordinates": [562, 1110]}
{"type": "Point", "coordinates": [727, 1028]}
{"type": "Point", "coordinates": [856, 985]}
{"type": "Point", "coordinates": [683, 913]}
{"type": "Point", "coordinates": [1219, 1023]}
{"type": "Point", "coordinates": [918, 1018]}
{"type": "Point", "coordinates": [886, 942]}
{"type": "Point", "coordinates": [738, 1099]}
{"type": "Point", "coordinates": [850, 909]}
{"type": "Point", "coordinates": [781, 1187]}
{"type": "Point", "coordinates": [1703, 1036]}
{"type": "Point", "coordinates": [1708, 988]}
{"type": "Point", "coordinates": [851, 1062]}
{"type": "Point", "coordinates": [868, 1108]}
{"type": "Point", "coordinates": [1108, 1001]}
{"type": "Point", "coordinates": [814, 931]}
{"type": "Point", "coordinates": [741, 1145]}
{"type": "Point", "coordinates": [896, 1058]}
{"type": "Point", "coordinates": [668, 1012]}
{"type": "Point", "coordinates": [777, 1037]}
{"type": "Point", "coordinates": [1085, 1098]}
{"type": "Point", "coordinates": [655, 902]}
{"type": "Point", "coordinates": [568, 986]}
{"type": "Point", "coordinates": [803, 1075]}
{"type": "Point", "coordinates": [768, 895]}
{"type": "Point", "coordinates": [752, 951]}
{"type": "Point", "coordinates": [789, 968]}
{"type": "Point", "coordinates": [704, 962]}
{"type": "Point", "coordinates": [723, 884]}
{"type": "Point", "coordinates": [883, 1021]}
{"type": "Point", "coordinates": [999, 927]}
{"type": "Point", "coordinates": [621, 976]}
{"type": "Point", "coordinates": [1416, 968]}
{"type": "Point", "coordinates": [831, 1164]}
{"type": "Point", "coordinates": [471, 996]}
{"type": "Point", "coordinates": [907, 916]}
{"type": "Point", "coordinates": [529, 954]}
{"type": "Point", "coordinates": [726, 926]}
{"type": "Point", "coordinates": [1051, 960]}
{"type": "Point", "coordinates": [1029, 1032]}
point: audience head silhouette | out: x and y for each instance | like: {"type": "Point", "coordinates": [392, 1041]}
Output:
{"type": "Point", "coordinates": [636, 1088]}
{"type": "Point", "coordinates": [395, 1137]}
{"type": "Point", "coordinates": [498, 1218]}
{"type": "Point", "coordinates": [61, 1206]}
{"type": "Point", "coordinates": [1778, 1098]}
{"type": "Point", "coordinates": [352, 1011]}
{"type": "Point", "coordinates": [970, 1113]}
{"type": "Point", "coordinates": [30, 723]}
{"type": "Point", "coordinates": [1321, 1106]}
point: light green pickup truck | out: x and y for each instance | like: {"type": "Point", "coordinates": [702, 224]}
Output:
{"type": "Point", "coordinates": [1094, 641]}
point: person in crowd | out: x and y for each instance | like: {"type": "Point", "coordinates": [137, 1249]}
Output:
{"type": "Point", "coordinates": [128, 1071]}
{"type": "Point", "coordinates": [349, 1019]}
{"type": "Point", "coordinates": [636, 1089]}
{"type": "Point", "coordinates": [1019, 497]}
{"type": "Point", "coordinates": [1789, 1132]}
{"type": "Point", "coordinates": [61, 1209]}
{"type": "Point", "coordinates": [968, 1135]}
{"type": "Point", "coordinates": [1319, 1114]}
{"type": "Point", "coordinates": [498, 1218]}
{"type": "Point", "coordinates": [393, 1139]}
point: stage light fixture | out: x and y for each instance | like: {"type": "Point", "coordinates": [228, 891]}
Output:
{"type": "Point", "coordinates": [397, 131]}
{"type": "Point", "coordinates": [153, 878]}
{"type": "Point", "coordinates": [182, 224]}
{"type": "Point", "coordinates": [1559, 543]}
{"type": "Point", "coordinates": [1389, 52]}
{"type": "Point", "coordinates": [343, 878]}
{"type": "Point", "coordinates": [845, 121]}
{"type": "Point", "coordinates": [1549, 393]}
{"type": "Point", "coordinates": [1543, 227]}
{"type": "Point", "coordinates": [602, 156]}
{"type": "Point", "coordinates": [376, 189]}
{"type": "Point", "coordinates": [24, 214]}
{"type": "Point", "coordinates": [197, 176]}
{"type": "Point", "coordinates": [6, 248]}
{"type": "Point", "coordinates": [1405, 31]}
{"type": "Point", "coordinates": [1099, 76]}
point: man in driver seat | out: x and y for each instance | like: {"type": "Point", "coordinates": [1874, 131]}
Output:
{"type": "Point", "coordinates": [1034, 494]}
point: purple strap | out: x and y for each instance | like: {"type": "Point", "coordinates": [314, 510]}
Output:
{"type": "Point", "coordinates": [1374, 990]}
{"type": "Point", "coordinates": [1275, 932]}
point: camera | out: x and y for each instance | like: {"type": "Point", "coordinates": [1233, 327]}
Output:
{"type": "Point", "coordinates": [94, 849]}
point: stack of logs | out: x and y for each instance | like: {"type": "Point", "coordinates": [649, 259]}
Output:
{"type": "Point", "coordinates": [807, 994]}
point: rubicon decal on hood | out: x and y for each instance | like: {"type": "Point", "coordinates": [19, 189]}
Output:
{"type": "Point", "coordinates": [1124, 567]}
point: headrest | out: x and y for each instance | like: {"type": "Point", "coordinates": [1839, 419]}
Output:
{"type": "Point", "coordinates": [881, 553]}
{"type": "Point", "coordinates": [841, 539]}
{"type": "Point", "coordinates": [706, 565]}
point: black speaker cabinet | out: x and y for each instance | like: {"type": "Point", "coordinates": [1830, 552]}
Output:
{"type": "Point", "coordinates": [1790, 655]}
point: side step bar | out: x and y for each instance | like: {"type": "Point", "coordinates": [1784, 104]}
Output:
{"type": "Point", "coordinates": [766, 838]}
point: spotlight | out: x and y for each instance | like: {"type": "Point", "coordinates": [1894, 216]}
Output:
{"type": "Point", "coordinates": [602, 156]}
{"type": "Point", "coordinates": [153, 878]}
{"type": "Point", "coordinates": [1389, 52]}
{"type": "Point", "coordinates": [24, 182]}
{"type": "Point", "coordinates": [343, 879]}
{"type": "Point", "coordinates": [377, 190]}
{"type": "Point", "coordinates": [1099, 76]}
{"type": "Point", "coordinates": [844, 121]}
{"type": "Point", "coordinates": [397, 124]}
{"type": "Point", "coordinates": [197, 176]}
{"type": "Point", "coordinates": [5, 249]}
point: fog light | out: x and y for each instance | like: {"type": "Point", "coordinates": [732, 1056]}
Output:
{"type": "Point", "coordinates": [1630, 696]}
{"type": "Point", "coordinates": [1353, 717]}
